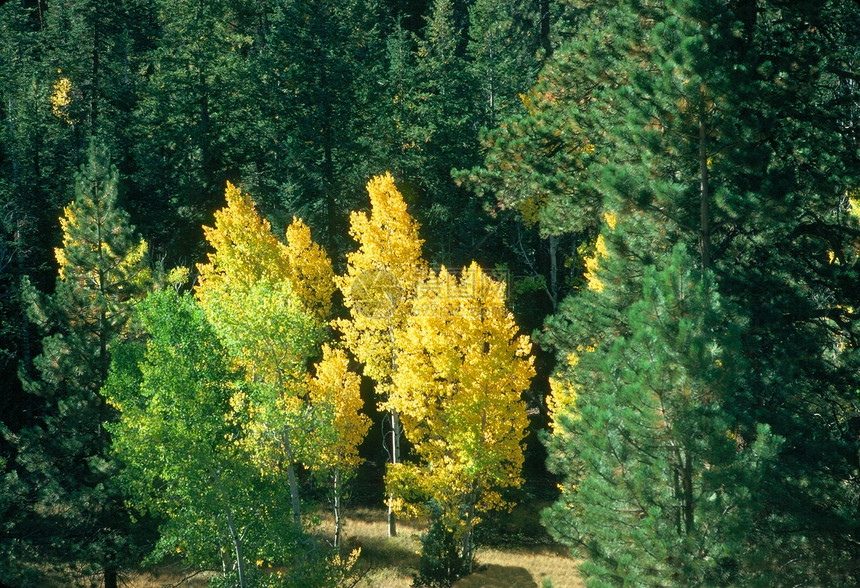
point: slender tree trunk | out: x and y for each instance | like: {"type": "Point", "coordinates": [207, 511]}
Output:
{"type": "Point", "coordinates": [336, 508]}
{"type": "Point", "coordinates": [327, 133]}
{"type": "Point", "coordinates": [689, 506]}
{"type": "Point", "coordinates": [231, 525]}
{"type": "Point", "coordinates": [553, 272]}
{"type": "Point", "coordinates": [18, 238]}
{"type": "Point", "coordinates": [110, 576]}
{"type": "Point", "coordinates": [96, 71]}
{"type": "Point", "coordinates": [293, 481]}
{"type": "Point", "coordinates": [468, 537]}
{"type": "Point", "coordinates": [546, 41]}
{"type": "Point", "coordinates": [395, 459]}
{"type": "Point", "coordinates": [237, 545]}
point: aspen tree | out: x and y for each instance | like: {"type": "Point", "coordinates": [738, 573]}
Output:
{"type": "Point", "coordinates": [337, 428]}
{"type": "Point", "coordinates": [379, 288]}
{"type": "Point", "coordinates": [247, 292]}
{"type": "Point", "coordinates": [180, 440]}
{"type": "Point", "coordinates": [462, 368]}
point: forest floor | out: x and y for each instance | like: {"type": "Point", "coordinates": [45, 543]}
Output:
{"type": "Point", "coordinates": [390, 562]}
{"type": "Point", "coordinates": [521, 557]}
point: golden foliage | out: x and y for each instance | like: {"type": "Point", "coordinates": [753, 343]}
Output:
{"type": "Point", "coordinates": [592, 265]}
{"type": "Point", "coordinates": [246, 252]}
{"type": "Point", "coordinates": [61, 99]}
{"type": "Point", "coordinates": [310, 270]}
{"type": "Point", "coordinates": [336, 398]}
{"type": "Point", "coordinates": [382, 277]}
{"type": "Point", "coordinates": [592, 262]}
{"type": "Point", "coordinates": [461, 370]}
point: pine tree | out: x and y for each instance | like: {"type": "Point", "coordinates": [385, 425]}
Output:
{"type": "Point", "coordinates": [663, 482]}
{"type": "Point", "coordinates": [502, 52]}
{"type": "Point", "coordinates": [721, 127]}
{"type": "Point", "coordinates": [103, 271]}
{"type": "Point", "coordinates": [317, 80]}
{"type": "Point", "coordinates": [192, 118]}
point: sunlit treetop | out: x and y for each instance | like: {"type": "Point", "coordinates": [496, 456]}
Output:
{"type": "Point", "coordinates": [388, 237]}
{"type": "Point", "coordinates": [246, 252]}
{"type": "Point", "coordinates": [382, 276]}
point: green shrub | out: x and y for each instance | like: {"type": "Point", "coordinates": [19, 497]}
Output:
{"type": "Point", "coordinates": [442, 562]}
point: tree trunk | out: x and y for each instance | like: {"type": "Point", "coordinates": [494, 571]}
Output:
{"type": "Point", "coordinates": [553, 272]}
{"type": "Point", "coordinates": [395, 459]}
{"type": "Point", "coordinates": [336, 508]}
{"type": "Point", "coordinates": [237, 545]}
{"type": "Point", "coordinates": [294, 484]}
{"type": "Point", "coordinates": [231, 525]}
{"type": "Point", "coordinates": [689, 506]}
{"type": "Point", "coordinates": [545, 39]}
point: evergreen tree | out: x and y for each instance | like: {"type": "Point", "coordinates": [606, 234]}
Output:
{"type": "Point", "coordinates": [103, 270]}
{"type": "Point", "coordinates": [503, 54]}
{"type": "Point", "coordinates": [723, 127]}
{"type": "Point", "coordinates": [429, 120]}
{"type": "Point", "coordinates": [317, 78]}
{"type": "Point", "coordinates": [192, 122]}
{"type": "Point", "coordinates": [663, 482]}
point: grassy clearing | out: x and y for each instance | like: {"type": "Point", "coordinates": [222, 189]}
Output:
{"type": "Point", "coordinates": [517, 561]}
{"type": "Point", "coordinates": [391, 562]}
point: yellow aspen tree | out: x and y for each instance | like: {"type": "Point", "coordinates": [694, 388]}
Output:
{"type": "Point", "coordinates": [461, 370]}
{"type": "Point", "coordinates": [338, 427]}
{"type": "Point", "coordinates": [379, 287]}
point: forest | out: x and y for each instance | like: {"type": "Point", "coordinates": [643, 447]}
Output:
{"type": "Point", "coordinates": [264, 260]}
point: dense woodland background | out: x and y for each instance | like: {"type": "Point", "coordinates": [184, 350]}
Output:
{"type": "Point", "coordinates": [671, 188]}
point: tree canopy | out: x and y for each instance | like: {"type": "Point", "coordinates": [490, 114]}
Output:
{"type": "Point", "coordinates": [670, 190]}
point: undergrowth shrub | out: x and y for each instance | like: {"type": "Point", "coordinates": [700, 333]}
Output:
{"type": "Point", "coordinates": [442, 562]}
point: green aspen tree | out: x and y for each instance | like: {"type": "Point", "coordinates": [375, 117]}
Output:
{"type": "Point", "coordinates": [179, 438]}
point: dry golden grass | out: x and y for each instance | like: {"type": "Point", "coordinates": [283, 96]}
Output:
{"type": "Point", "coordinates": [525, 567]}
{"type": "Point", "coordinates": [390, 562]}
{"type": "Point", "coordinates": [166, 576]}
